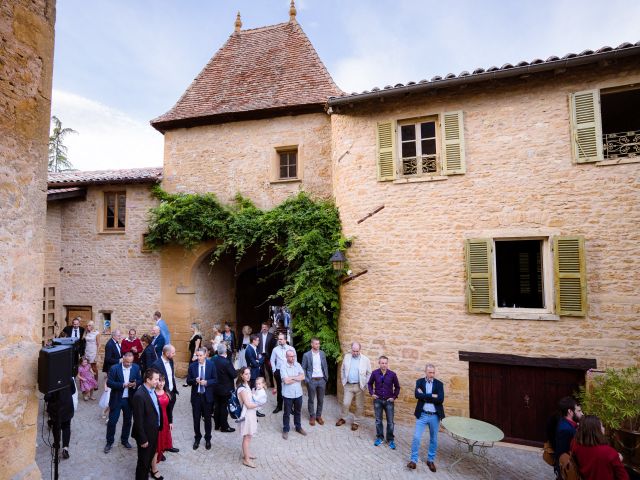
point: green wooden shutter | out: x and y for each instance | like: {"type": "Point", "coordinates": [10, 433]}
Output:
{"type": "Point", "coordinates": [386, 151]}
{"type": "Point", "coordinates": [570, 276]}
{"type": "Point", "coordinates": [586, 126]}
{"type": "Point", "coordinates": [478, 253]}
{"type": "Point", "coordinates": [453, 161]}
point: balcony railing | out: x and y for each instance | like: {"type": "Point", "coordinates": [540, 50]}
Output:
{"type": "Point", "coordinates": [621, 145]}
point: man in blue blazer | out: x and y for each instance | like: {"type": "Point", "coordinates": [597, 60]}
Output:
{"type": "Point", "coordinates": [202, 377]}
{"type": "Point", "coordinates": [158, 341]}
{"type": "Point", "coordinates": [123, 380]}
{"type": "Point", "coordinates": [429, 412]}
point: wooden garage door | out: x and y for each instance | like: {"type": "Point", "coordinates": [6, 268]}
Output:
{"type": "Point", "coordinates": [519, 399]}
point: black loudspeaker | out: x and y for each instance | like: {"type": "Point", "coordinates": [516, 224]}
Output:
{"type": "Point", "coordinates": [74, 343]}
{"type": "Point", "coordinates": [54, 368]}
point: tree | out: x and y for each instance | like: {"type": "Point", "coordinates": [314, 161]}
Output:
{"type": "Point", "coordinates": [58, 160]}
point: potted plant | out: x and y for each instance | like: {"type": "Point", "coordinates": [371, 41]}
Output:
{"type": "Point", "coordinates": [614, 397]}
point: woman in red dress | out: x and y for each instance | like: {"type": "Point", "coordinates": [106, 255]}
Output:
{"type": "Point", "coordinates": [164, 435]}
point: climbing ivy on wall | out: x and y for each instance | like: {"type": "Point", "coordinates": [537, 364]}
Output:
{"type": "Point", "coordinates": [297, 238]}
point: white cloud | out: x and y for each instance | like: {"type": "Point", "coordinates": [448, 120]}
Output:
{"type": "Point", "coordinates": [107, 138]}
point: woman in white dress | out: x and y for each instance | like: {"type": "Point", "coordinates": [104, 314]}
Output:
{"type": "Point", "coordinates": [246, 334]}
{"type": "Point", "coordinates": [91, 345]}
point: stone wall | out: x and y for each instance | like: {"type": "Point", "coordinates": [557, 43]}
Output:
{"type": "Point", "coordinates": [520, 181]}
{"type": "Point", "coordinates": [26, 50]}
{"type": "Point", "coordinates": [107, 271]}
{"type": "Point", "coordinates": [239, 157]}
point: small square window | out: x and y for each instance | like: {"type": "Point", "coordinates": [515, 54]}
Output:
{"type": "Point", "coordinates": [287, 164]}
{"type": "Point", "coordinates": [115, 210]}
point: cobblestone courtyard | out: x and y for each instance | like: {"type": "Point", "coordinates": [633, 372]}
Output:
{"type": "Point", "coordinates": [327, 452]}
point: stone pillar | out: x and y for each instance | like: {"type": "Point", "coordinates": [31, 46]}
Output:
{"type": "Point", "coordinates": [26, 53]}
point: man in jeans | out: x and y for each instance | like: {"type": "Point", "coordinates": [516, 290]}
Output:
{"type": "Point", "coordinates": [292, 377]}
{"type": "Point", "coordinates": [316, 374]}
{"type": "Point", "coordinates": [429, 412]}
{"type": "Point", "coordinates": [384, 388]}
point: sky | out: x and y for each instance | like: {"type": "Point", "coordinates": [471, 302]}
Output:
{"type": "Point", "coordinates": [120, 63]}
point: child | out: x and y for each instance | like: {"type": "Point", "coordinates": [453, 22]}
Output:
{"type": "Point", "coordinates": [258, 396]}
{"type": "Point", "coordinates": [87, 380]}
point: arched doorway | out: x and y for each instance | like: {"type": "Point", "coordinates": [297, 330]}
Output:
{"type": "Point", "coordinates": [254, 286]}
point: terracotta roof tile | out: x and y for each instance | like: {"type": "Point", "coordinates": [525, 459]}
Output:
{"type": "Point", "coordinates": [261, 69]}
{"type": "Point", "coordinates": [131, 175]}
{"type": "Point", "coordinates": [481, 74]}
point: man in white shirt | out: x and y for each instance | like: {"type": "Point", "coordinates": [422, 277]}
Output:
{"type": "Point", "coordinates": [123, 379]}
{"type": "Point", "coordinates": [316, 374]}
{"type": "Point", "coordinates": [292, 377]}
{"type": "Point", "coordinates": [265, 346]}
{"type": "Point", "coordinates": [278, 359]}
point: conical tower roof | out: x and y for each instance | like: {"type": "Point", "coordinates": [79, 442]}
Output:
{"type": "Point", "coordinates": [258, 73]}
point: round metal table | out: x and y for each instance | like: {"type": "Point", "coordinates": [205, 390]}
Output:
{"type": "Point", "coordinates": [473, 438]}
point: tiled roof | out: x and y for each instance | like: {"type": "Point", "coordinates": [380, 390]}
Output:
{"type": "Point", "coordinates": [480, 74]}
{"type": "Point", "coordinates": [130, 175]}
{"type": "Point", "coordinates": [53, 191]}
{"type": "Point", "coordinates": [268, 69]}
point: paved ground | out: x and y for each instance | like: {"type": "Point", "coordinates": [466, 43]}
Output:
{"type": "Point", "coordinates": [327, 452]}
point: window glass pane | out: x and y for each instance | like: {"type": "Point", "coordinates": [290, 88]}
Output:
{"type": "Point", "coordinates": [408, 149]}
{"type": "Point", "coordinates": [429, 147]}
{"type": "Point", "coordinates": [111, 209]}
{"type": "Point", "coordinates": [408, 132]}
{"type": "Point", "coordinates": [428, 129]}
{"type": "Point", "coordinates": [122, 209]}
{"type": "Point", "coordinates": [519, 273]}
{"type": "Point", "coordinates": [288, 164]}
{"type": "Point", "coordinates": [284, 172]}
{"type": "Point", "coordinates": [293, 171]}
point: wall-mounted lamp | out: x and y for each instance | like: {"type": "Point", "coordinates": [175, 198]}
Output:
{"type": "Point", "coordinates": [338, 260]}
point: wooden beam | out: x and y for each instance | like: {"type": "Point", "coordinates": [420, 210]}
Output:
{"type": "Point", "coordinates": [545, 362]}
{"type": "Point", "coordinates": [351, 277]}
{"type": "Point", "coordinates": [371, 214]}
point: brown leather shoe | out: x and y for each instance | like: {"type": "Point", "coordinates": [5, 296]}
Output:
{"type": "Point", "coordinates": [312, 421]}
{"type": "Point", "coordinates": [320, 420]}
{"type": "Point", "coordinates": [432, 466]}
{"type": "Point", "coordinates": [411, 465]}
{"type": "Point", "coordinates": [354, 427]}
{"type": "Point", "coordinates": [340, 422]}
{"type": "Point", "coordinates": [301, 431]}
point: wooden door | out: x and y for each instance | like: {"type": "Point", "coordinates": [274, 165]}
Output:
{"type": "Point", "coordinates": [85, 314]}
{"type": "Point", "coordinates": [519, 399]}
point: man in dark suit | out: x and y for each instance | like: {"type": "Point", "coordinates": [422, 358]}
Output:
{"type": "Point", "coordinates": [253, 358]}
{"type": "Point", "coordinates": [265, 347]}
{"type": "Point", "coordinates": [147, 421]}
{"type": "Point", "coordinates": [123, 380]}
{"type": "Point", "coordinates": [202, 378]}
{"type": "Point", "coordinates": [164, 365]}
{"type": "Point", "coordinates": [316, 374]}
{"type": "Point", "coordinates": [158, 341]}
{"type": "Point", "coordinates": [76, 331]}
{"type": "Point", "coordinates": [222, 390]}
{"type": "Point", "coordinates": [112, 352]}
{"type": "Point", "coordinates": [429, 412]}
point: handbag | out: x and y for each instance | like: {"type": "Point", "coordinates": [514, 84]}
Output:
{"type": "Point", "coordinates": [104, 399]}
{"type": "Point", "coordinates": [548, 454]}
{"type": "Point", "coordinates": [568, 467]}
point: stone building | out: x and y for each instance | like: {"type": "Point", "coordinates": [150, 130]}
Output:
{"type": "Point", "coordinates": [97, 266]}
{"type": "Point", "coordinates": [506, 249]}
{"type": "Point", "coordinates": [26, 64]}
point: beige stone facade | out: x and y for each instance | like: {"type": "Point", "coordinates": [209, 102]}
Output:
{"type": "Point", "coordinates": [108, 272]}
{"type": "Point", "coordinates": [520, 182]}
{"type": "Point", "coordinates": [26, 49]}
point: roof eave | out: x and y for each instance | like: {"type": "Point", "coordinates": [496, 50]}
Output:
{"type": "Point", "coordinates": [122, 181]}
{"type": "Point", "coordinates": [485, 76]}
{"type": "Point", "coordinates": [164, 125]}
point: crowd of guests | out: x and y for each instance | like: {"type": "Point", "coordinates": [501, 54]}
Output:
{"type": "Point", "coordinates": [141, 386]}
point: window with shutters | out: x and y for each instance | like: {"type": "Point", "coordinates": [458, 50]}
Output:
{"type": "Point", "coordinates": [417, 149]}
{"type": "Point", "coordinates": [428, 148]}
{"type": "Point", "coordinates": [606, 125]}
{"type": "Point", "coordinates": [115, 211]}
{"type": "Point", "coordinates": [534, 278]}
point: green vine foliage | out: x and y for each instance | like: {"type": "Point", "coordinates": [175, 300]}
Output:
{"type": "Point", "coordinates": [297, 238]}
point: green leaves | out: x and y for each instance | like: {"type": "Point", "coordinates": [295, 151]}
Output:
{"type": "Point", "coordinates": [615, 398]}
{"type": "Point", "coordinates": [300, 235]}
